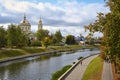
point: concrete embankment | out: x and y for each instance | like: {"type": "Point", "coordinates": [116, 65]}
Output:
{"type": "Point", "coordinates": [77, 70]}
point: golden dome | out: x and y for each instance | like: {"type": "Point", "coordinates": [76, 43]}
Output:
{"type": "Point", "coordinates": [25, 22]}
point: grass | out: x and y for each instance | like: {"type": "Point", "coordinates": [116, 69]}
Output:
{"type": "Point", "coordinates": [59, 73]}
{"type": "Point", "coordinates": [94, 69]}
{"type": "Point", "coordinates": [65, 47]}
{"type": "Point", "coordinates": [33, 50]}
{"type": "Point", "coordinates": [92, 46]}
{"type": "Point", "coordinates": [11, 53]}
{"type": "Point", "coordinates": [7, 53]}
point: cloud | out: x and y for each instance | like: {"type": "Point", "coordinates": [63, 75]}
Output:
{"type": "Point", "coordinates": [15, 5]}
{"type": "Point", "coordinates": [62, 14]}
{"type": "Point", "coordinates": [72, 12]}
{"type": "Point", "coordinates": [76, 31]}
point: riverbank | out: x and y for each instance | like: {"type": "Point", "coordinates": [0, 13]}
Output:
{"type": "Point", "coordinates": [40, 67]}
{"type": "Point", "coordinates": [13, 54]}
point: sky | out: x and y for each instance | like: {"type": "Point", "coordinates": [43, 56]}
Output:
{"type": "Point", "coordinates": [68, 16]}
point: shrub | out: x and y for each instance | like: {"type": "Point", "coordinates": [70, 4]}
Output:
{"type": "Point", "coordinates": [57, 74]}
{"type": "Point", "coordinates": [80, 57]}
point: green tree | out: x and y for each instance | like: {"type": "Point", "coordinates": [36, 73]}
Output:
{"type": "Point", "coordinates": [54, 40]}
{"type": "Point", "coordinates": [70, 39]}
{"type": "Point", "coordinates": [46, 42]}
{"type": "Point", "coordinates": [11, 35]}
{"type": "Point", "coordinates": [41, 34]}
{"type": "Point", "coordinates": [90, 39]}
{"type": "Point", "coordinates": [23, 39]}
{"type": "Point", "coordinates": [16, 37]}
{"type": "Point", "coordinates": [58, 35]}
{"type": "Point", "coordinates": [3, 34]}
{"type": "Point", "coordinates": [109, 25]}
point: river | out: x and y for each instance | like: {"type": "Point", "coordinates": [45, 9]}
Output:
{"type": "Point", "coordinates": [39, 68]}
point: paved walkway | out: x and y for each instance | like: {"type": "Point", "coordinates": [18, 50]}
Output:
{"type": "Point", "coordinates": [78, 72]}
{"type": "Point", "coordinates": [107, 71]}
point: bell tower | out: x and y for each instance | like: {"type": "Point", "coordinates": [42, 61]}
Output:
{"type": "Point", "coordinates": [40, 25]}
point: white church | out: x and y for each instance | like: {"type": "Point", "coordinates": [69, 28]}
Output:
{"type": "Point", "coordinates": [26, 27]}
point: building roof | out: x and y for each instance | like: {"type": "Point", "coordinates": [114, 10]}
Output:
{"type": "Point", "coordinates": [24, 22]}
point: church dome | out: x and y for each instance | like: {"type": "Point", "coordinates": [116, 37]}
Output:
{"type": "Point", "coordinates": [25, 22]}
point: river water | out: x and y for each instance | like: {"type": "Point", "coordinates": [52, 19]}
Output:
{"type": "Point", "coordinates": [39, 68]}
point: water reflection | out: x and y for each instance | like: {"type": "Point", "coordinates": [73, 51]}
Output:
{"type": "Point", "coordinates": [39, 68]}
